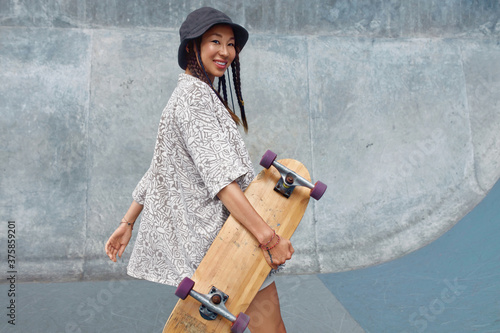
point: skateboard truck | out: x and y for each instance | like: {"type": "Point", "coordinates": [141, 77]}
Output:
{"type": "Point", "coordinates": [290, 179]}
{"type": "Point", "coordinates": [215, 298]}
{"type": "Point", "coordinates": [212, 305]}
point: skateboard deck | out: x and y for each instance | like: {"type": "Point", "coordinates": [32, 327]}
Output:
{"type": "Point", "coordinates": [234, 263]}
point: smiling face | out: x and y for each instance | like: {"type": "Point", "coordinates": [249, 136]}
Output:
{"type": "Point", "coordinates": [218, 50]}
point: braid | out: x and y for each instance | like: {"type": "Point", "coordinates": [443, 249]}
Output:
{"type": "Point", "coordinates": [222, 82]}
{"type": "Point", "coordinates": [219, 85]}
{"type": "Point", "coordinates": [235, 66]}
{"type": "Point", "coordinates": [194, 67]}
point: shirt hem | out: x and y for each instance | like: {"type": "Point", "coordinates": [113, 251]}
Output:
{"type": "Point", "coordinates": [143, 277]}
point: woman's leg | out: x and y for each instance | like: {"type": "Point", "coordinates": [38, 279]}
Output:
{"type": "Point", "coordinates": [264, 312]}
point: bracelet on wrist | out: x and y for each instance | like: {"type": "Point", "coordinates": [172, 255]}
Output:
{"type": "Point", "coordinates": [269, 248]}
{"type": "Point", "coordinates": [264, 245]}
{"type": "Point", "coordinates": [131, 224]}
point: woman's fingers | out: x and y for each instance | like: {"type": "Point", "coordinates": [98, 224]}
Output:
{"type": "Point", "coordinates": [111, 250]}
{"type": "Point", "coordinates": [291, 252]}
{"type": "Point", "coordinates": [107, 248]}
{"type": "Point", "coordinates": [122, 249]}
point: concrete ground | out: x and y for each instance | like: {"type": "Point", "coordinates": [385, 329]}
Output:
{"type": "Point", "coordinates": [131, 306]}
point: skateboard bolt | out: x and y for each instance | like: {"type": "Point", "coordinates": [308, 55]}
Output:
{"type": "Point", "coordinates": [216, 299]}
{"type": "Point", "coordinates": [289, 179]}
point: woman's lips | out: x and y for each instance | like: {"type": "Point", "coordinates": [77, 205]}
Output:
{"type": "Point", "coordinates": [220, 64]}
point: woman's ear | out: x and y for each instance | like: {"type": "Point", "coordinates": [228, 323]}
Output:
{"type": "Point", "coordinates": [194, 47]}
{"type": "Point", "coordinates": [187, 48]}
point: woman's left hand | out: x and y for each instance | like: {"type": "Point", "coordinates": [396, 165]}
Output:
{"type": "Point", "coordinates": [280, 253]}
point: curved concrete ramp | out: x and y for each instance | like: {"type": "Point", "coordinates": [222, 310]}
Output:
{"type": "Point", "coordinates": [450, 285]}
{"type": "Point", "coordinates": [406, 133]}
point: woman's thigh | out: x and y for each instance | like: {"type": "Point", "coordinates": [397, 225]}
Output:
{"type": "Point", "coordinates": [264, 312]}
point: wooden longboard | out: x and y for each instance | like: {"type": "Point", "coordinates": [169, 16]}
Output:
{"type": "Point", "coordinates": [234, 263]}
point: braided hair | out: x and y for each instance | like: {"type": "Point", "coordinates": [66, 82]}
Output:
{"type": "Point", "coordinates": [195, 66]}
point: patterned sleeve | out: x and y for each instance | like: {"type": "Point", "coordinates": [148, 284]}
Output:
{"type": "Point", "coordinates": [211, 142]}
{"type": "Point", "coordinates": [139, 193]}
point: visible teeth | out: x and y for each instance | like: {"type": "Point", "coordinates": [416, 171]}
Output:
{"type": "Point", "coordinates": [221, 63]}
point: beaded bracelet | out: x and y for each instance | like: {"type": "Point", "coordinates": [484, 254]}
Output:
{"type": "Point", "coordinates": [264, 245]}
{"type": "Point", "coordinates": [272, 247]}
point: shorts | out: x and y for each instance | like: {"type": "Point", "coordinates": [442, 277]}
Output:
{"type": "Point", "coordinates": [268, 281]}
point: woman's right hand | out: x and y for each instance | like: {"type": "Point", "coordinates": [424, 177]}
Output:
{"type": "Point", "coordinates": [280, 253]}
{"type": "Point", "coordinates": [118, 241]}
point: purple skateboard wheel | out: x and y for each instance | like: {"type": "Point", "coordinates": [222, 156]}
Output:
{"type": "Point", "coordinates": [241, 323]}
{"type": "Point", "coordinates": [318, 190]}
{"type": "Point", "coordinates": [268, 159]}
{"type": "Point", "coordinates": [184, 288]}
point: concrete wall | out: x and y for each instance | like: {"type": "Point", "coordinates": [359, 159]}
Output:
{"type": "Point", "coordinates": [393, 104]}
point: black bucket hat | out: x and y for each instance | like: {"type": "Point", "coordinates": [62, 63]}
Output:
{"type": "Point", "coordinates": [201, 20]}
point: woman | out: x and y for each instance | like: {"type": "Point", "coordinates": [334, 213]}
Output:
{"type": "Point", "coordinates": [199, 170]}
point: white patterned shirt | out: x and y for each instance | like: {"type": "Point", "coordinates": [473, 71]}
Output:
{"type": "Point", "coordinates": [198, 152]}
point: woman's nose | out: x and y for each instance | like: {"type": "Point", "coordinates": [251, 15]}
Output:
{"type": "Point", "coordinates": [223, 50]}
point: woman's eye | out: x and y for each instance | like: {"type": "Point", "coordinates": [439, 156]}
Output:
{"type": "Point", "coordinates": [216, 42]}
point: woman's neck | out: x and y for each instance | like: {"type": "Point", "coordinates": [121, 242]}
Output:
{"type": "Point", "coordinates": [209, 77]}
